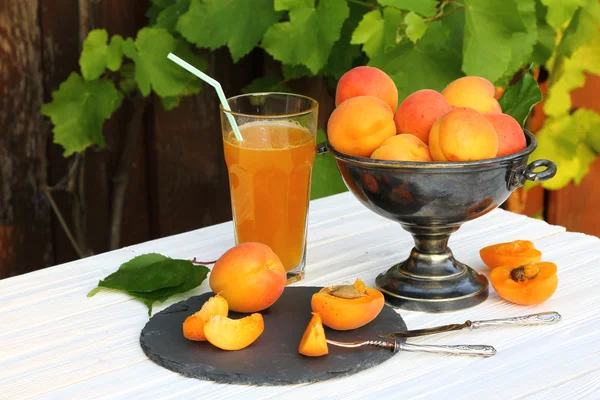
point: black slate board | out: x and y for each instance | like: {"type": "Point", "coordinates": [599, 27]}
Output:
{"type": "Point", "coordinates": [273, 359]}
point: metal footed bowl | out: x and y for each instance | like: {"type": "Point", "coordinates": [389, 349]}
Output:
{"type": "Point", "coordinates": [431, 200]}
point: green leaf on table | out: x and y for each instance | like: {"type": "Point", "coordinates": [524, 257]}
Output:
{"type": "Point", "coordinates": [78, 110]}
{"type": "Point", "coordinates": [522, 43]}
{"type": "Point", "coordinates": [489, 38]}
{"type": "Point", "coordinates": [431, 63]}
{"type": "Point", "coordinates": [308, 37]}
{"type": "Point", "coordinates": [167, 18]}
{"type": "Point", "coordinates": [560, 11]}
{"type": "Point", "coordinates": [546, 41]}
{"type": "Point", "coordinates": [415, 26]}
{"type": "Point", "coordinates": [518, 99]}
{"type": "Point", "coordinates": [154, 71]}
{"type": "Point", "coordinates": [378, 32]}
{"type": "Point", "coordinates": [426, 8]}
{"type": "Point", "coordinates": [238, 24]}
{"type": "Point", "coordinates": [284, 5]}
{"type": "Point", "coordinates": [268, 83]}
{"type": "Point", "coordinates": [326, 179]}
{"type": "Point", "coordinates": [571, 75]}
{"type": "Point", "coordinates": [97, 54]}
{"type": "Point", "coordinates": [581, 30]}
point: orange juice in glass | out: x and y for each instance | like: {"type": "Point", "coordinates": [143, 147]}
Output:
{"type": "Point", "coordinates": [270, 171]}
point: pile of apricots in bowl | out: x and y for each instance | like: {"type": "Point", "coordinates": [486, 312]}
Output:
{"type": "Point", "coordinates": [463, 122]}
{"type": "Point", "coordinates": [249, 278]}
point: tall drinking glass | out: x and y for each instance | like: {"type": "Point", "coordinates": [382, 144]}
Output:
{"type": "Point", "coordinates": [270, 171]}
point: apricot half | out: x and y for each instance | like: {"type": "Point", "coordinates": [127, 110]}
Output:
{"type": "Point", "coordinates": [347, 307]}
{"type": "Point", "coordinates": [510, 254]}
{"type": "Point", "coordinates": [193, 326]}
{"type": "Point", "coordinates": [249, 276]}
{"type": "Point", "coordinates": [234, 334]}
{"type": "Point", "coordinates": [528, 284]}
{"type": "Point", "coordinates": [314, 342]}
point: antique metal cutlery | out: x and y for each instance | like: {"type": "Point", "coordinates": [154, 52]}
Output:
{"type": "Point", "coordinates": [544, 318]}
{"type": "Point", "coordinates": [459, 350]}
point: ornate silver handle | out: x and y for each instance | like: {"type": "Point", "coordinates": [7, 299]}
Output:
{"type": "Point", "coordinates": [459, 350]}
{"type": "Point", "coordinates": [544, 318]}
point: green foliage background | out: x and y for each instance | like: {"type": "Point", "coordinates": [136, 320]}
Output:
{"type": "Point", "coordinates": [419, 43]}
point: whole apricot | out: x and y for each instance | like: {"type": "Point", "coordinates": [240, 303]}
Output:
{"type": "Point", "coordinates": [234, 334]}
{"type": "Point", "coordinates": [249, 276]}
{"type": "Point", "coordinates": [346, 307]}
{"type": "Point", "coordinates": [359, 125]}
{"type": "Point", "coordinates": [418, 112]}
{"type": "Point", "coordinates": [474, 92]}
{"type": "Point", "coordinates": [193, 326]}
{"type": "Point", "coordinates": [314, 342]}
{"type": "Point", "coordinates": [463, 134]}
{"type": "Point", "coordinates": [402, 147]}
{"type": "Point", "coordinates": [511, 138]}
{"type": "Point", "coordinates": [367, 81]}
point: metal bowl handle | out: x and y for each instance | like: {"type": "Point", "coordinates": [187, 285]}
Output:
{"type": "Point", "coordinates": [322, 148]}
{"type": "Point", "coordinates": [541, 176]}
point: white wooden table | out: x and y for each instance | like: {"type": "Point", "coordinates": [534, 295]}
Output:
{"type": "Point", "coordinates": [57, 343]}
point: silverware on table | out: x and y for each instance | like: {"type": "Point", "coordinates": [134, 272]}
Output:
{"type": "Point", "coordinates": [544, 318]}
{"type": "Point", "coordinates": [459, 350]}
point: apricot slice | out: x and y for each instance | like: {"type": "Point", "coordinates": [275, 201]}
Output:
{"type": "Point", "coordinates": [347, 307]}
{"type": "Point", "coordinates": [234, 334]}
{"type": "Point", "coordinates": [367, 81]}
{"type": "Point", "coordinates": [418, 112]}
{"type": "Point", "coordinates": [527, 284]}
{"type": "Point", "coordinates": [474, 92]}
{"type": "Point", "coordinates": [314, 342]}
{"type": "Point", "coordinates": [193, 326]}
{"type": "Point", "coordinates": [510, 254]}
{"type": "Point", "coordinates": [404, 147]}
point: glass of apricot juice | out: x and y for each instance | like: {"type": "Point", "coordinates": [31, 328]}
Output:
{"type": "Point", "coordinates": [270, 171]}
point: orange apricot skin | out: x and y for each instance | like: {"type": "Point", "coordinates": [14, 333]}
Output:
{"type": "Point", "coordinates": [403, 147]}
{"type": "Point", "coordinates": [314, 342]}
{"type": "Point", "coordinates": [234, 334]}
{"type": "Point", "coordinates": [474, 92]}
{"type": "Point", "coordinates": [462, 134]}
{"type": "Point", "coordinates": [511, 138]}
{"type": "Point", "coordinates": [419, 111]}
{"type": "Point", "coordinates": [359, 125]}
{"type": "Point", "coordinates": [367, 81]}
{"type": "Point", "coordinates": [193, 326]}
{"type": "Point", "coordinates": [535, 291]}
{"type": "Point", "coordinates": [345, 314]}
{"type": "Point", "coordinates": [249, 276]}
{"type": "Point", "coordinates": [510, 254]}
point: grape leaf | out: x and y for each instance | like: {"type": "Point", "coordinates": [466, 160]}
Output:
{"type": "Point", "coordinates": [295, 71]}
{"type": "Point", "coordinates": [522, 43]}
{"type": "Point", "coordinates": [571, 75]}
{"type": "Point", "coordinates": [546, 36]}
{"type": "Point", "coordinates": [153, 71]}
{"type": "Point", "coordinates": [78, 110]}
{"type": "Point", "coordinates": [489, 34]}
{"type": "Point", "coordinates": [581, 29]}
{"type": "Point", "coordinates": [308, 37]}
{"type": "Point", "coordinates": [97, 54]}
{"type": "Point", "coordinates": [432, 63]}
{"type": "Point", "coordinates": [518, 99]}
{"type": "Point", "coordinates": [170, 102]}
{"type": "Point", "coordinates": [426, 8]}
{"type": "Point", "coordinates": [283, 5]}
{"type": "Point", "coordinates": [378, 33]}
{"type": "Point", "coordinates": [326, 179]}
{"type": "Point", "coordinates": [415, 26]}
{"type": "Point", "coordinates": [168, 17]}
{"type": "Point", "coordinates": [238, 24]}
{"type": "Point", "coordinates": [268, 83]}
{"type": "Point", "coordinates": [560, 11]}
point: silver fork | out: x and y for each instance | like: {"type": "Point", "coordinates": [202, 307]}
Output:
{"type": "Point", "coordinates": [458, 350]}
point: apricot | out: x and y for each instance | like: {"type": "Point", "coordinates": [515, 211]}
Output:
{"type": "Point", "coordinates": [528, 284]}
{"type": "Point", "coordinates": [462, 134]}
{"type": "Point", "coordinates": [474, 92]}
{"type": "Point", "coordinates": [404, 147]}
{"type": "Point", "coordinates": [234, 334]}
{"type": "Point", "coordinates": [193, 326]}
{"type": "Point", "coordinates": [359, 125]}
{"type": "Point", "coordinates": [249, 276]}
{"type": "Point", "coordinates": [367, 81]}
{"type": "Point", "coordinates": [419, 111]}
{"type": "Point", "coordinates": [510, 254]}
{"type": "Point", "coordinates": [347, 307]}
{"type": "Point", "coordinates": [511, 138]}
{"type": "Point", "coordinates": [314, 342]}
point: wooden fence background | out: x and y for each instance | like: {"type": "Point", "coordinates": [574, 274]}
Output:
{"type": "Point", "coordinates": [179, 180]}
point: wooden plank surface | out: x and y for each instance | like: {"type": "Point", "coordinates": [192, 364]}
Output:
{"type": "Point", "coordinates": [56, 343]}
